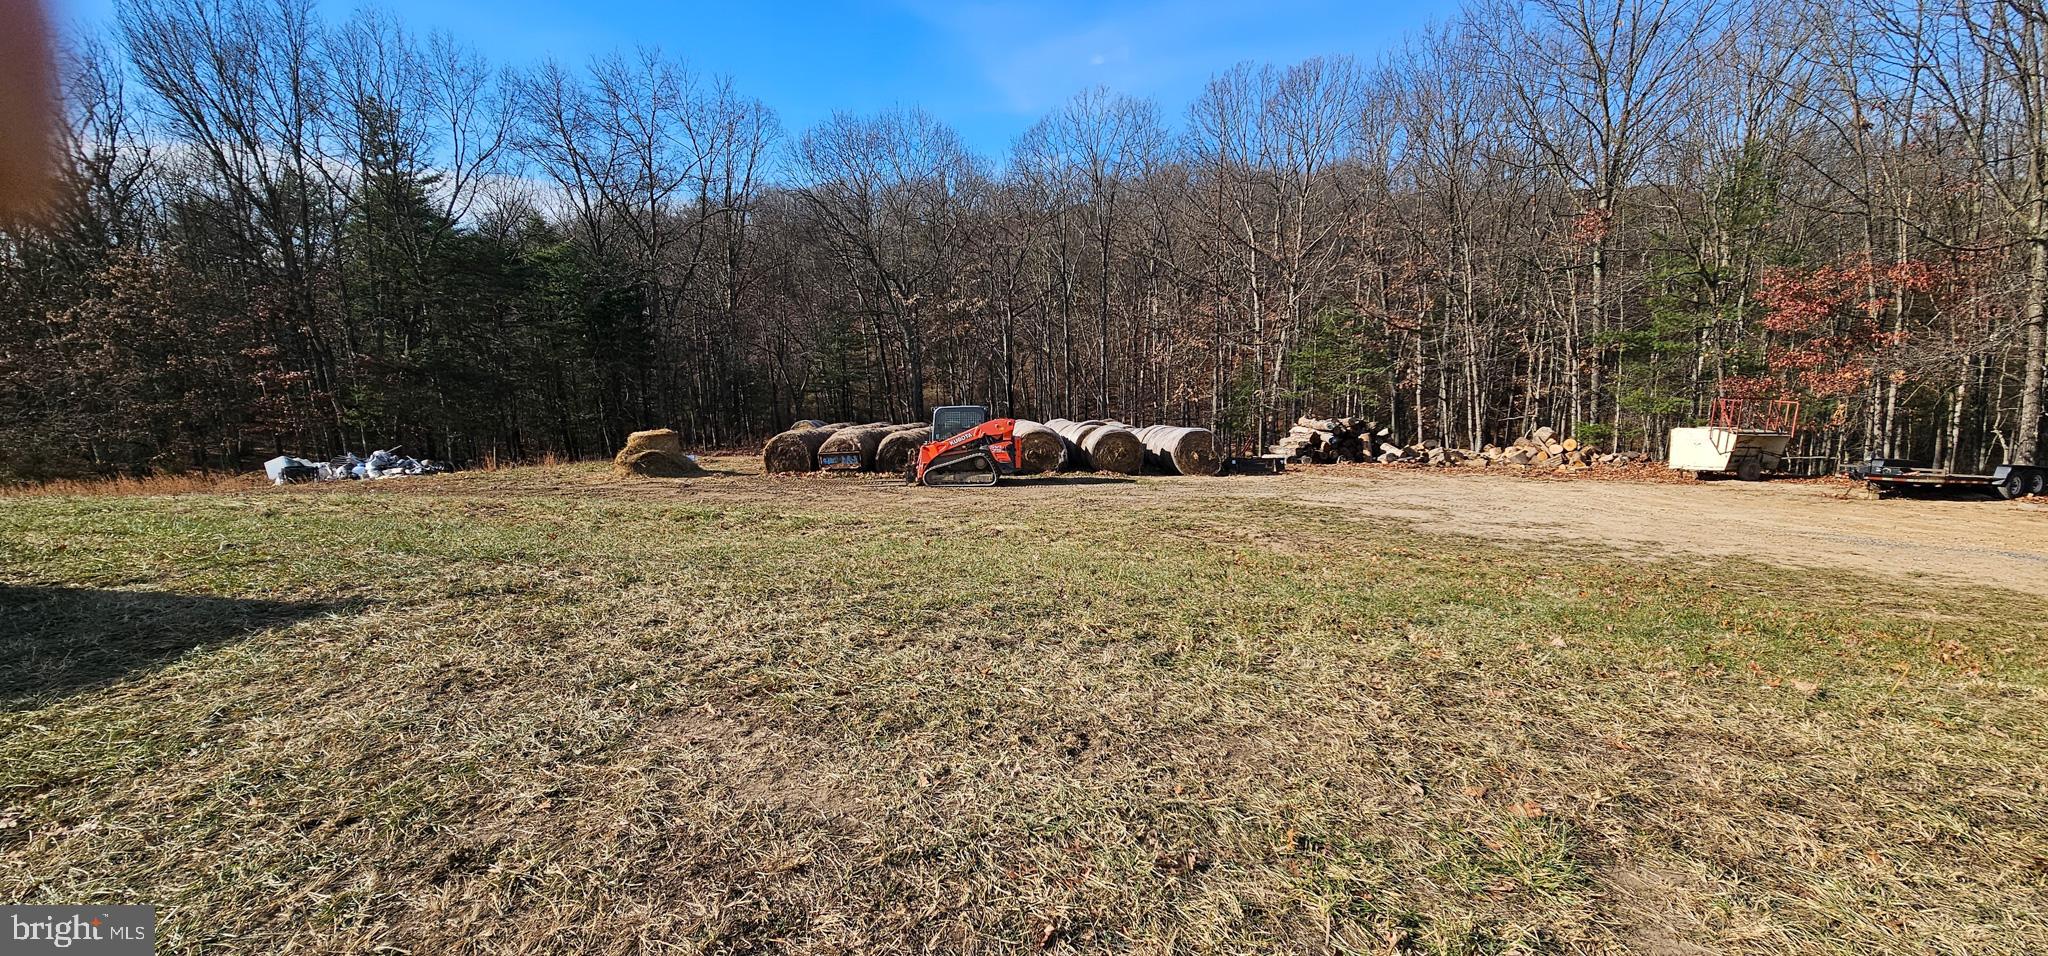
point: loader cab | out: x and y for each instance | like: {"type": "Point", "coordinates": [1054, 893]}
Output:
{"type": "Point", "coordinates": [950, 420]}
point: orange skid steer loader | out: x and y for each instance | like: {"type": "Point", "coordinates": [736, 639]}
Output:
{"type": "Point", "coordinates": [967, 449]}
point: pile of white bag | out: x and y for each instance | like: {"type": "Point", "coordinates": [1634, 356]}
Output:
{"type": "Point", "coordinates": [387, 463]}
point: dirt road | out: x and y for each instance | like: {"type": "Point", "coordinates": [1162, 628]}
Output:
{"type": "Point", "coordinates": [1962, 540]}
{"type": "Point", "coordinates": [1970, 541]}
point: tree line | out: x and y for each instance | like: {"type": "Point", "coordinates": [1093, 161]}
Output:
{"type": "Point", "coordinates": [281, 232]}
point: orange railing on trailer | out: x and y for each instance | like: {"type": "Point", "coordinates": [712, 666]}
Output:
{"type": "Point", "coordinates": [1775, 416]}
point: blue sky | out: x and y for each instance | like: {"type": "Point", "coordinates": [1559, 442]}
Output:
{"type": "Point", "coordinates": [989, 69]}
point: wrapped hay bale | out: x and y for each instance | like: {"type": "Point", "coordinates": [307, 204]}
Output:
{"type": "Point", "coordinates": [1182, 451]}
{"type": "Point", "coordinates": [1040, 450]}
{"type": "Point", "coordinates": [655, 453]}
{"type": "Point", "coordinates": [1103, 446]}
{"type": "Point", "coordinates": [795, 450]}
{"type": "Point", "coordinates": [899, 448]}
{"type": "Point", "coordinates": [852, 449]}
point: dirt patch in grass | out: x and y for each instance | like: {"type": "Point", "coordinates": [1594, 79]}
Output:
{"type": "Point", "coordinates": [567, 713]}
{"type": "Point", "coordinates": [1816, 524]}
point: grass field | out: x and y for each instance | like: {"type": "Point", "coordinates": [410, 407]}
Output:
{"type": "Point", "coordinates": [532, 712]}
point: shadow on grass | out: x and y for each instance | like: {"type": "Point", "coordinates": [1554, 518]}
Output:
{"type": "Point", "coordinates": [1036, 481]}
{"type": "Point", "coordinates": [57, 641]}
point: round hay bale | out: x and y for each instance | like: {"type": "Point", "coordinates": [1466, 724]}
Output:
{"type": "Point", "coordinates": [651, 463]}
{"type": "Point", "coordinates": [805, 423]}
{"type": "Point", "coordinates": [1103, 446]}
{"type": "Point", "coordinates": [1070, 453]}
{"type": "Point", "coordinates": [860, 440]}
{"type": "Point", "coordinates": [795, 450]}
{"type": "Point", "coordinates": [899, 448]}
{"type": "Point", "coordinates": [1076, 458]}
{"type": "Point", "coordinates": [1115, 448]}
{"type": "Point", "coordinates": [654, 439]}
{"type": "Point", "coordinates": [1182, 451]}
{"type": "Point", "coordinates": [1039, 448]}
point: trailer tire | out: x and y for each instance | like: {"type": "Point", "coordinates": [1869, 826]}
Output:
{"type": "Point", "coordinates": [1750, 469]}
{"type": "Point", "coordinates": [2037, 481]}
{"type": "Point", "coordinates": [2014, 485]}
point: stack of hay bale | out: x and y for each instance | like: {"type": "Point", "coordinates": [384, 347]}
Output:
{"type": "Point", "coordinates": [853, 450]}
{"type": "Point", "coordinates": [1180, 451]}
{"type": "Point", "coordinates": [656, 453]}
{"type": "Point", "coordinates": [1100, 446]}
{"type": "Point", "coordinates": [796, 450]}
{"type": "Point", "coordinates": [1054, 445]}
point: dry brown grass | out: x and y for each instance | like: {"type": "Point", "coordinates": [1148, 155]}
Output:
{"type": "Point", "coordinates": [181, 484]}
{"type": "Point", "coordinates": [532, 712]}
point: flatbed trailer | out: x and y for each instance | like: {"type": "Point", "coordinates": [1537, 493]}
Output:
{"type": "Point", "coordinates": [2005, 481]}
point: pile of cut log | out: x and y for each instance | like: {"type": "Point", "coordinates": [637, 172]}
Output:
{"type": "Point", "coordinates": [1327, 441]}
{"type": "Point", "coordinates": [1426, 452]}
{"type": "Point", "coordinates": [1541, 449]}
{"type": "Point", "coordinates": [1545, 448]}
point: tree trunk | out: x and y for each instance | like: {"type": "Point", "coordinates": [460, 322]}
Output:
{"type": "Point", "coordinates": [2027, 449]}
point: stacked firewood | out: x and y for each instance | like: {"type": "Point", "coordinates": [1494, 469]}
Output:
{"type": "Point", "coordinates": [1332, 440]}
{"type": "Point", "coordinates": [1546, 448]}
{"type": "Point", "coordinates": [1541, 449]}
{"type": "Point", "coordinates": [1326, 441]}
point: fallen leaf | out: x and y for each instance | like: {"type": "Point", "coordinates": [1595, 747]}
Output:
{"type": "Point", "coordinates": [1475, 792]}
{"type": "Point", "coordinates": [1527, 809]}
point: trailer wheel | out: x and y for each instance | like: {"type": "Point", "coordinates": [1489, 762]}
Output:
{"type": "Point", "coordinates": [2037, 481]}
{"type": "Point", "coordinates": [2015, 484]}
{"type": "Point", "coordinates": [1750, 469]}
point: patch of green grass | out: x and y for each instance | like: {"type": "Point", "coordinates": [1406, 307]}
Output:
{"type": "Point", "coordinates": [500, 713]}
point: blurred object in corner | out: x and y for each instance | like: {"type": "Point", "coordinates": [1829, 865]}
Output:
{"type": "Point", "coordinates": [28, 103]}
